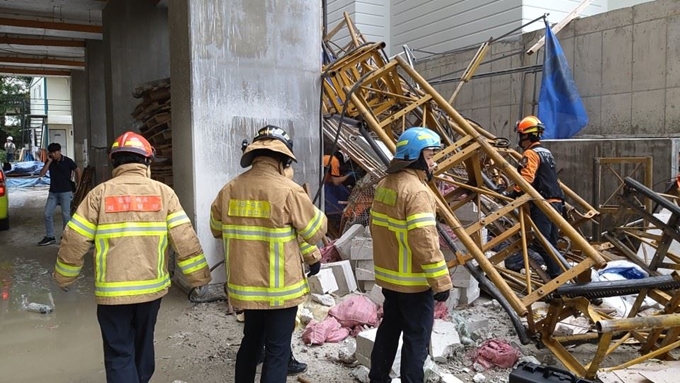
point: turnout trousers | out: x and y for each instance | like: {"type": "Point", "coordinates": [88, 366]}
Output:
{"type": "Point", "coordinates": [412, 314]}
{"type": "Point", "coordinates": [274, 328]}
{"type": "Point", "coordinates": [127, 332]}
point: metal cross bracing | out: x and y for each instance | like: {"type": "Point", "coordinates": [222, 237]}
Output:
{"type": "Point", "coordinates": [388, 96]}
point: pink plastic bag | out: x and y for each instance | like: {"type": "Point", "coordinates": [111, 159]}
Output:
{"type": "Point", "coordinates": [328, 330]}
{"type": "Point", "coordinates": [356, 311]}
{"type": "Point", "coordinates": [441, 311]}
{"type": "Point", "coordinates": [496, 352]}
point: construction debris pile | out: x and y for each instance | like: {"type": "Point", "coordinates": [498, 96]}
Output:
{"type": "Point", "coordinates": [369, 100]}
{"type": "Point", "coordinates": [154, 118]}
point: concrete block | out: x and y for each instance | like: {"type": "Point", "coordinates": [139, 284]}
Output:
{"type": "Point", "coordinates": [673, 52]}
{"type": "Point", "coordinates": [477, 322]}
{"type": "Point", "coordinates": [365, 275]}
{"type": "Point", "coordinates": [344, 276]}
{"type": "Point", "coordinates": [362, 249]}
{"type": "Point", "coordinates": [673, 110]}
{"type": "Point", "coordinates": [376, 295]}
{"type": "Point", "coordinates": [454, 299]}
{"type": "Point", "coordinates": [470, 294]}
{"type": "Point", "coordinates": [444, 335]}
{"type": "Point", "coordinates": [587, 65]}
{"type": "Point", "coordinates": [649, 51]}
{"type": "Point", "coordinates": [655, 10]}
{"type": "Point", "coordinates": [617, 60]}
{"type": "Point", "coordinates": [323, 283]}
{"type": "Point", "coordinates": [367, 286]}
{"type": "Point", "coordinates": [344, 243]}
{"type": "Point", "coordinates": [366, 265]}
{"type": "Point", "coordinates": [648, 112]}
{"type": "Point", "coordinates": [460, 277]}
{"type": "Point", "coordinates": [365, 342]}
{"type": "Point", "coordinates": [618, 114]}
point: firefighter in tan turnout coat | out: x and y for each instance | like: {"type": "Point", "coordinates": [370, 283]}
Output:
{"type": "Point", "coordinates": [408, 263]}
{"type": "Point", "coordinates": [259, 215]}
{"type": "Point", "coordinates": [131, 219]}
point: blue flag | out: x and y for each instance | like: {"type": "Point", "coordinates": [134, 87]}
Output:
{"type": "Point", "coordinates": [559, 104]}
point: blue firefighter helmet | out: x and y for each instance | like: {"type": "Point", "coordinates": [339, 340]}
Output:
{"type": "Point", "coordinates": [409, 146]}
{"type": "Point", "coordinates": [413, 141]}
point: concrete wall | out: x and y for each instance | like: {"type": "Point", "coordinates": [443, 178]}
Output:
{"type": "Point", "coordinates": [558, 9]}
{"type": "Point", "coordinates": [234, 70]}
{"type": "Point", "coordinates": [624, 62]}
{"type": "Point", "coordinates": [80, 113]}
{"type": "Point", "coordinates": [96, 97]}
{"type": "Point", "coordinates": [136, 42]}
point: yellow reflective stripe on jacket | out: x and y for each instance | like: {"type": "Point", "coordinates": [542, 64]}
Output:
{"type": "Point", "coordinates": [67, 270]}
{"type": "Point", "coordinates": [313, 226]}
{"type": "Point", "coordinates": [384, 220]}
{"type": "Point", "coordinates": [101, 248]}
{"type": "Point", "coordinates": [277, 262]}
{"type": "Point", "coordinates": [435, 270]}
{"type": "Point", "coordinates": [215, 224]}
{"type": "Point", "coordinates": [192, 264]}
{"type": "Point", "coordinates": [258, 233]}
{"type": "Point", "coordinates": [275, 296]}
{"type": "Point", "coordinates": [306, 248]}
{"type": "Point", "coordinates": [162, 246]}
{"type": "Point", "coordinates": [131, 229]}
{"type": "Point", "coordinates": [128, 288]}
{"type": "Point", "coordinates": [82, 226]}
{"type": "Point", "coordinates": [400, 278]}
{"type": "Point", "coordinates": [420, 220]}
{"type": "Point", "coordinates": [177, 218]}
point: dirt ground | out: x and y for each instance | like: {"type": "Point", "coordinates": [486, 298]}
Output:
{"type": "Point", "coordinates": [194, 342]}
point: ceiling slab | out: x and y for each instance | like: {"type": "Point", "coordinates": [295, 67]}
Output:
{"type": "Point", "coordinates": [9, 71]}
{"type": "Point", "coordinates": [42, 62]}
{"type": "Point", "coordinates": [50, 28]}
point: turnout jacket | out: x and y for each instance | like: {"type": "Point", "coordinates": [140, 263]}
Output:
{"type": "Point", "coordinates": [406, 250]}
{"type": "Point", "coordinates": [259, 215]}
{"type": "Point", "coordinates": [130, 219]}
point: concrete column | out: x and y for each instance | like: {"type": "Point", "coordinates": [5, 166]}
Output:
{"type": "Point", "coordinates": [96, 95]}
{"type": "Point", "coordinates": [237, 66]}
{"type": "Point", "coordinates": [79, 115]}
{"type": "Point", "coordinates": [136, 51]}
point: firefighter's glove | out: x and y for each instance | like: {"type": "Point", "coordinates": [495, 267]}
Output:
{"type": "Point", "coordinates": [511, 194]}
{"type": "Point", "coordinates": [442, 296]}
{"type": "Point", "coordinates": [314, 269]}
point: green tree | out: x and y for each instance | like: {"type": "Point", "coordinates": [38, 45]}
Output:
{"type": "Point", "coordinates": [14, 97]}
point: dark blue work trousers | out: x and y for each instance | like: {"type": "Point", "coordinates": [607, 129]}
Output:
{"type": "Point", "coordinates": [412, 314]}
{"type": "Point", "coordinates": [550, 231]}
{"type": "Point", "coordinates": [127, 332]}
{"type": "Point", "coordinates": [274, 328]}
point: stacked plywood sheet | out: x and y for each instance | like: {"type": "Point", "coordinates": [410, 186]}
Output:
{"type": "Point", "coordinates": [153, 115]}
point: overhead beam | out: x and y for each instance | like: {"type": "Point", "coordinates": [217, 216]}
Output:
{"type": "Point", "coordinates": [33, 71]}
{"type": "Point", "coordinates": [42, 42]}
{"type": "Point", "coordinates": [38, 24]}
{"type": "Point", "coordinates": [42, 61]}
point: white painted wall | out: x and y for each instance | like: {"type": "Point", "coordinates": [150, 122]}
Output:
{"type": "Point", "coordinates": [558, 10]}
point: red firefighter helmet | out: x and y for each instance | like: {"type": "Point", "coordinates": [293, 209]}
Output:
{"type": "Point", "coordinates": [130, 142]}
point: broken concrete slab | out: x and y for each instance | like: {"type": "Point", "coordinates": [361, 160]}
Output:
{"type": "Point", "coordinates": [344, 243]}
{"type": "Point", "coordinates": [365, 342]}
{"type": "Point", "coordinates": [344, 276]}
{"type": "Point", "coordinates": [444, 336]}
{"type": "Point", "coordinates": [365, 264]}
{"type": "Point", "coordinates": [323, 299]}
{"type": "Point", "coordinates": [323, 282]}
{"type": "Point", "coordinates": [365, 275]}
{"type": "Point", "coordinates": [362, 249]}
{"type": "Point", "coordinates": [376, 295]}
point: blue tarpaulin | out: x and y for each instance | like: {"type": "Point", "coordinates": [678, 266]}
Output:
{"type": "Point", "coordinates": [26, 168]}
{"type": "Point", "coordinates": [559, 104]}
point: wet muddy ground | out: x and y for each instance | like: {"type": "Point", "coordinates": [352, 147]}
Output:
{"type": "Point", "coordinates": [194, 342]}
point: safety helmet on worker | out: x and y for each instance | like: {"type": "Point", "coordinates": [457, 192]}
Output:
{"type": "Point", "coordinates": [10, 138]}
{"type": "Point", "coordinates": [269, 138]}
{"type": "Point", "coordinates": [411, 144]}
{"type": "Point", "coordinates": [530, 125]}
{"type": "Point", "coordinates": [130, 142]}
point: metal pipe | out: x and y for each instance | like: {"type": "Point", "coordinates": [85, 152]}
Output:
{"type": "Point", "coordinates": [374, 146]}
{"type": "Point", "coordinates": [508, 170]}
{"type": "Point", "coordinates": [639, 323]}
{"type": "Point", "coordinates": [324, 10]}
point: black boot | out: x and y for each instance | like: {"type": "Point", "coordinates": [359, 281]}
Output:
{"type": "Point", "coordinates": [295, 367]}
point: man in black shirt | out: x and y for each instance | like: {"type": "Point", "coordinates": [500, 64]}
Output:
{"type": "Point", "coordinates": [61, 189]}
